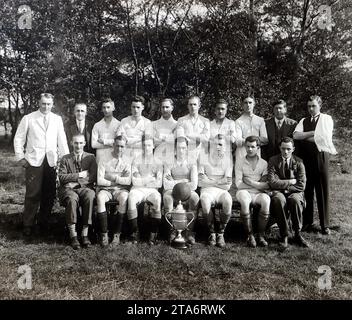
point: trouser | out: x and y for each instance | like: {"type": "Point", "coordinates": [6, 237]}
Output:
{"type": "Point", "coordinates": [71, 199]}
{"type": "Point", "coordinates": [317, 171]}
{"type": "Point", "coordinates": [286, 207]}
{"type": "Point", "coordinates": [40, 191]}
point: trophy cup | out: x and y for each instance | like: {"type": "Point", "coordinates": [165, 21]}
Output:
{"type": "Point", "coordinates": [179, 222]}
{"type": "Point", "coordinates": [178, 218]}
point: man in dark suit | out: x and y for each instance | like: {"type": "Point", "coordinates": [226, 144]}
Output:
{"type": "Point", "coordinates": [315, 137]}
{"type": "Point", "coordinates": [287, 178]}
{"type": "Point", "coordinates": [277, 128]}
{"type": "Point", "coordinates": [77, 174]}
{"type": "Point", "coordinates": [80, 124]}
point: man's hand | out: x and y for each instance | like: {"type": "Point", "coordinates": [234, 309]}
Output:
{"type": "Point", "coordinates": [100, 140]}
{"type": "Point", "coordinates": [83, 174]}
{"type": "Point", "coordinates": [292, 181]}
{"type": "Point", "coordinates": [125, 173]}
{"type": "Point", "coordinates": [168, 177]}
{"type": "Point", "coordinates": [23, 163]}
{"type": "Point", "coordinates": [249, 181]}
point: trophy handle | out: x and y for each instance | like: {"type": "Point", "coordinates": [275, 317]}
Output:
{"type": "Point", "coordinates": [167, 219]}
{"type": "Point", "coordinates": [193, 217]}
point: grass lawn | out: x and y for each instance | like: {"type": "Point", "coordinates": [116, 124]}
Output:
{"type": "Point", "coordinates": [160, 272]}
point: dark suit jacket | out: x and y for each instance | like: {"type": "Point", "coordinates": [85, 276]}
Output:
{"type": "Point", "coordinates": [68, 172]}
{"type": "Point", "coordinates": [272, 148]}
{"type": "Point", "coordinates": [276, 176]}
{"type": "Point", "coordinates": [71, 129]}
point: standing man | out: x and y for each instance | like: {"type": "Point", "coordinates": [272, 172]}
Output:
{"type": "Point", "coordinates": [105, 131]}
{"type": "Point", "coordinates": [215, 179]}
{"type": "Point", "coordinates": [222, 125]}
{"type": "Point", "coordinates": [164, 132]}
{"type": "Point", "coordinates": [147, 175]}
{"type": "Point", "coordinates": [40, 139]}
{"type": "Point", "coordinates": [195, 128]}
{"type": "Point", "coordinates": [251, 181]}
{"type": "Point", "coordinates": [114, 180]}
{"type": "Point", "coordinates": [80, 124]}
{"type": "Point", "coordinates": [287, 179]}
{"type": "Point", "coordinates": [178, 171]}
{"type": "Point", "coordinates": [315, 136]}
{"type": "Point", "coordinates": [134, 127]}
{"type": "Point", "coordinates": [77, 174]}
{"type": "Point", "coordinates": [249, 124]}
{"type": "Point", "coordinates": [277, 128]}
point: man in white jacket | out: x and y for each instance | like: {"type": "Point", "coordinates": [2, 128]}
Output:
{"type": "Point", "coordinates": [39, 141]}
{"type": "Point", "coordinates": [315, 135]}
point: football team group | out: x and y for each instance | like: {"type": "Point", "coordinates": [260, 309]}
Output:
{"type": "Point", "coordinates": [273, 166]}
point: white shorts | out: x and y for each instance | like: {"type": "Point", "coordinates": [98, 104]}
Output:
{"type": "Point", "coordinates": [213, 194]}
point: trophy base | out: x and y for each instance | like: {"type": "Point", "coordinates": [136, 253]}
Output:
{"type": "Point", "coordinates": [179, 245]}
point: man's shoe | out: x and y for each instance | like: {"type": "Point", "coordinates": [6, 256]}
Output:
{"type": "Point", "coordinates": [104, 240]}
{"type": "Point", "coordinates": [251, 241]}
{"type": "Point", "coordinates": [301, 241]}
{"type": "Point", "coordinates": [27, 234]}
{"type": "Point", "coordinates": [308, 228]}
{"type": "Point", "coordinates": [326, 231]}
{"type": "Point", "coordinates": [152, 238]}
{"type": "Point", "coordinates": [74, 243]}
{"type": "Point", "coordinates": [212, 239]}
{"type": "Point", "coordinates": [86, 242]}
{"type": "Point", "coordinates": [261, 241]}
{"type": "Point", "coordinates": [284, 243]}
{"type": "Point", "coordinates": [172, 235]}
{"type": "Point", "coordinates": [190, 238]}
{"type": "Point", "coordinates": [115, 240]}
{"type": "Point", "coordinates": [220, 241]}
{"type": "Point", "coordinates": [135, 237]}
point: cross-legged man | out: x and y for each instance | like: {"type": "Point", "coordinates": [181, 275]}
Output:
{"type": "Point", "coordinates": [177, 172]}
{"type": "Point", "coordinates": [147, 175]}
{"type": "Point", "coordinates": [215, 179]}
{"type": "Point", "coordinates": [251, 181]}
{"type": "Point", "coordinates": [77, 175]}
{"type": "Point", "coordinates": [287, 179]}
{"type": "Point", "coordinates": [114, 180]}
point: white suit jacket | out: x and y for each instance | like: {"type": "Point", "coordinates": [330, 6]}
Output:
{"type": "Point", "coordinates": [33, 142]}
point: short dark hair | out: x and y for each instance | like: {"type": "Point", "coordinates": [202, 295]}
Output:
{"type": "Point", "coordinates": [46, 95]}
{"type": "Point", "coordinates": [167, 99]}
{"type": "Point", "coordinates": [78, 134]}
{"type": "Point", "coordinates": [248, 96]}
{"type": "Point", "coordinates": [138, 98]}
{"type": "Point", "coordinates": [108, 100]}
{"type": "Point", "coordinates": [120, 137]}
{"type": "Point", "coordinates": [317, 98]}
{"type": "Point", "coordinates": [181, 139]}
{"type": "Point", "coordinates": [221, 101]}
{"type": "Point", "coordinates": [279, 101]}
{"type": "Point", "coordinates": [287, 140]}
{"type": "Point", "coordinates": [253, 139]}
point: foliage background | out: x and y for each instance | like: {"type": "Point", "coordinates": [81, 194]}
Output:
{"type": "Point", "coordinates": [84, 50]}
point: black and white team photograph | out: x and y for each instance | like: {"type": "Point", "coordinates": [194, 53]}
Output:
{"type": "Point", "coordinates": [194, 151]}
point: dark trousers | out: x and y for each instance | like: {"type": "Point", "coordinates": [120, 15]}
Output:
{"type": "Point", "coordinates": [72, 199]}
{"type": "Point", "coordinates": [317, 171]}
{"type": "Point", "coordinates": [286, 207]}
{"type": "Point", "coordinates": [40, 191]}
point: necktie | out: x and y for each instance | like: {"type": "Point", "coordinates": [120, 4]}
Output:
{"type": "Point", "coordinates": [279, 123]}
{"type": "Point", "coordinates": [78, 163]}
{"type": "Point", "coordinates": [46, 122]}
{"type": "Point", "coordinates": [287, 170]}
{"type": "Point", "coordinates": [80, 126]}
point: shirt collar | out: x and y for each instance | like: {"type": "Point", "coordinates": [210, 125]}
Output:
{"type": "Point", "coordinates": [285, 160]}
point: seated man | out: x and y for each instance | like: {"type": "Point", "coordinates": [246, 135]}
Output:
{"type": "Point", "coordinates": [181, 171]}
{"type": "Point", "coordinates": [215, 179]}
{"type": "Point", "coordinates": [114, 179]}
{"type": "Point", "coordinates": [147, 173]}
{"type": "Point", "coordinates": [77, 175]}
{"type": "Point", "coordinates": [286, 175]}
{"type": "Point", "coordinates": [251, 176]}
